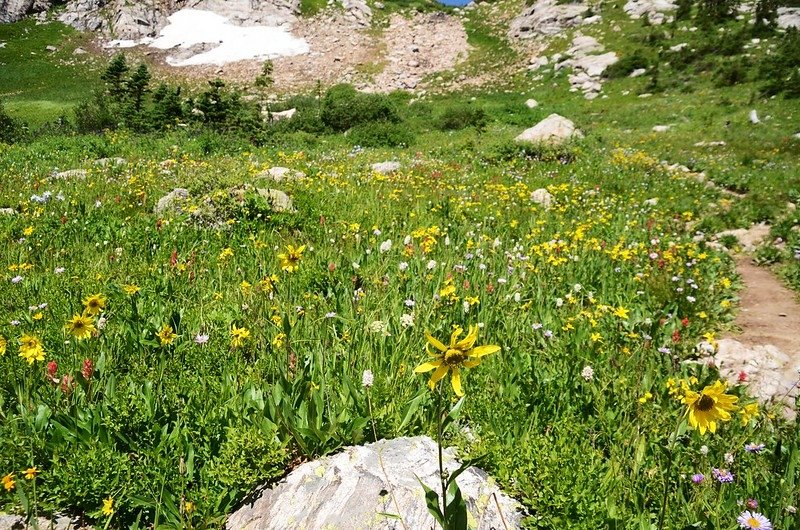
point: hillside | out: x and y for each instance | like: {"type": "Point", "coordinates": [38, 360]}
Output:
{"type": "Point", "coordinates": [558, 238]}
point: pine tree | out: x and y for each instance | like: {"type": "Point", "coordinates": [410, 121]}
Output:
{"type": "Point", "coordinates": [114, 76]}
{"type": "Point", "coordinates": [136, 86]}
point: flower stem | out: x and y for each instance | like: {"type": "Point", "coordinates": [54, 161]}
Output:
{"type": "Point", "coordinates": [440, 428]}
{"type": "Point", "coordinates": [665, 495]}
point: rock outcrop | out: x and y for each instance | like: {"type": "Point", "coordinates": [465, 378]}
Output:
{"type": "Point", "coordinates": [547, 17]}
{"type": "Point", "coordinates": [368, 487]}
{"type": "Point", "coordinates": [553, 129]}
{"type": "Point", "coordinates": [652, 9]}
{"type": "Point", "coordinates": [13, 10]}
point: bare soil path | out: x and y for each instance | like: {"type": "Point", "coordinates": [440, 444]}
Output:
{"type": "Point", "coordinates": [765, 356]}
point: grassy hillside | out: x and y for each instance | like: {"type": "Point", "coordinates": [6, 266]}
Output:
{"type": "Point", "coordinates": [579, 261]}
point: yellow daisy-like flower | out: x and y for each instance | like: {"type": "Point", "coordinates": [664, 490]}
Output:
{"type": "Point", "coordinates": [455, 356]}
{"type": "Point", "coordinates": [166, 335]}
{"type": "Point", "coordinates": [748, 412]}
{"type": "Point", "coordinates": [8, 482]}
{"type": "Point", "coordinates": [130, 289]}
{"type": "Point", "coordinates": [290, 260]}
{"type": "Point", "coordinates": [81, 327]}
{"type": "Point", "coordinates": [31, 473]}
{"type": "Point", "coordinates": [94, 304]}
{"type": "Point", "coordinates": [708, 406]}
{"type": "Point", "coordinates": [31, 349]}
{"type": "Point", "coordinates": [3, 344]}
{"type": "Point", "coordinates": [108, 506]}
{"type": "Point", "coordinates": [239, 336]}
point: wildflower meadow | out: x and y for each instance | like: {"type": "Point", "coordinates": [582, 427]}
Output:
{"type": "Point", "coordinates": [155, 369]}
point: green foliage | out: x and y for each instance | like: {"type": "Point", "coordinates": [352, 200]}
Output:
{"type": "Point", "coordinates": [713, 12]}
{"type": "Point", "coordinates": [343, 107]}
{"type": "Point", "coordinates": [247, 458]}
{"type": "Point", "coordinates": [627, 64]}
{"type": "Point", "coordinates": [95, 115]}
{"type": "Point", "coordinates": [733, 72]}
{"type": "Point", "coordinates": [779, 70]}
{"type": "Point", "coordinates": [457, 117]}
{"type": "Point", "coordinates": [11, 129]}
{"type": "Point", "coordinates": [114, 76]}
{"type": "Point", "coordinates": [265, 79]}
{"type": "Point", "coordinates": [381, 134]}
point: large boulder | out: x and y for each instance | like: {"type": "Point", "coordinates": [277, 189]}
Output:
{"type": "Point", "coordinates": [386, 168]}
{"type": "Point", "coordinates": [789, 17]}
{"type": "Point", "coordinates": [13, 10]}
{"type": "Point", "coordinates": [652, 9]}
{"type": "Point", "coordinates": [70, 174]}
{"type": "Point", "coordinates": [280, 174]}
{"type": "Point", "coordinates": [552, 129]}
{"type": "Point", "coordinates": [546, 17]}
{"type": "Point", "coordinates": [278, 200]}
{"type": "Point", "coordinates": [172, 202]}
{"type": "Point", "coordinates": [594, 65]}
{"type": "Point", "coordinates": [366, 487]}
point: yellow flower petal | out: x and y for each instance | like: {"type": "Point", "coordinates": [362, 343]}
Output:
{"type": "Point", "coordinates": [454, 337]}
{"type": "Point", "coordinates": [472, 363]}
{"type": "Point", "coordinates": [469, 340]}
{"type": "Point", "coordinates": [437, 375]}
{"type": "Point", "coordinates": [435, 342]}
{"type": "Point", "coordinates": [455, 379]}
{"type": "Point", "coordinates": [480, 351]}
{"type": "Point", "coordinates": [427, 367]}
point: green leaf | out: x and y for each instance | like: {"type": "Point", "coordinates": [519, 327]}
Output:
{"type": "Point", "coordinates": [413, 406]}
{"type": "Point", "coordinates": [456, 508]}
{"type": "Point", "coordinates": [432, 501]}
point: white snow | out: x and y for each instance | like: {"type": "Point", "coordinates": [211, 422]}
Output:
{"type": "Point", "coordinates": [190, 27]}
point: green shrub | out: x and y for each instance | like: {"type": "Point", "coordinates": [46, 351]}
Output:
{"type": "Point", "coordinates": [780, 70]}
{"type": "Point", "coordinates": [626, 65]}
{"type": "Point", "coordinates": [343, 107]}
{"type": "Point", "coordinates": [732, 73]}
{"type": "Point", "coordinates": [459, 117]}
{"type": "Point", "coordinates": [247, 458]}
{"type": "Point", "coordinates": [381, 134]}
{"type": "Point", "coordinates": [95, 115]}
{"type": "Point", "coordinates": [11, 129]}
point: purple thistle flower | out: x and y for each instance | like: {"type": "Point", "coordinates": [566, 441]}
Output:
{"type": "Point", "coordinates": [698, 478]}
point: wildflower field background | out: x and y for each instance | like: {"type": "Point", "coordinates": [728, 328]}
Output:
{"type": "Point", "coordinates": [156, 368]}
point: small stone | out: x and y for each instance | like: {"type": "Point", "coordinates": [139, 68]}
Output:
{"type": "Point", "coordinates": [386, 168]}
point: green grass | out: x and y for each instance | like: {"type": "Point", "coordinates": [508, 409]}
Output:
{"type": "Point", "coordinates": [38, 85]}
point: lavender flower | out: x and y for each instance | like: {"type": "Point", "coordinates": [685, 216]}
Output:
{"type": "Point", "coordinates": [698, 478]}
{"type": "Point", "coordinates": [723, 476]}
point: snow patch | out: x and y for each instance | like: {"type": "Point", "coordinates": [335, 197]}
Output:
{"type": "Point", "coordinates": [195, 28]}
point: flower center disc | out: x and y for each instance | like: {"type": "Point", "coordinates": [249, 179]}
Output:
{"type": "Point", "coordinates": [454, 357]}
{"type": "Point", "coordinates": [705, 404]}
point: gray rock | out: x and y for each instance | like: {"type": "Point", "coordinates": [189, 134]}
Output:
{"type": "Point", "coordinates": [353, 490]}
{"type": "Point", "coordinates": [70, 174]}
{"type": "Point", "coordinates": [661, 128]}
{"type": "Point", "coordinates": [543, 197]}
{"type": "Point", "coordinates": [278, 200]}
{"type": "Point", "coordinates": [546, 17]}
{"type": "Point", "coordinates": [595, 65]}
{"type": "Point", "coordinates": [789, 17]}
{"type": "Point", "coordinates": [59, 522]}
{"type": "Point", "coordinates": [652, 9]}
{"type": "Point", "coordinates": [749, 238]}
{"type": "Point", "coordinates": [79, 51]}
{"type": "Point", "coordinates": [280, 174]}
{"type": "Point", "coordinates": [281, 115]}
{"type": "Point", "coordinates": [385, 168]}
{"type": "Point", "coordinates": [638, 72]}
{"type": "Point", "coordinates": [7, 212]}
{"type": "Point", "coordinates": [172, 202]}
{"type": "Point", "coordinates": [531, 103]}
{"type": "Point", "coordinates": [114, 161]}
{"type": "Point", "coordinates": [770, 374]}
{"type": "Point", "coordinates": [583, 45]}
{"type": "Point", "coordinates": [552, 129]}
{"type": "Point", "coordinates": [754, 117]}
{"type": "Point", "coordinates": [13, 10]}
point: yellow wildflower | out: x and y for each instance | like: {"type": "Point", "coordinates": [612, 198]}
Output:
{"type": "Point", "coordinates": [8, 482]}
{"type": "Point", "coordinates": [31, 349]}
{"type": "Point", "coordinates": [166, 335]}
{"type": "Point", "coordinates": [455, 356]}
{"type": "Point", "coordinates": [108, 506]}
{"type": "Point", "coordinates": [94, 304]}
{"type": "Point", "coordinates": [748, 412]}
{"type": "Point", "coordinates": [290, 260]}
{"type": "Point", "coordinates": [708, 406]}
{"type": "Point", "coordinates": [130, 289]}
{"type": "Point", "coordinates": [31, 473]}
{"type": "Point", "coordinates": [239, 336]}
{"type": "Point", "coordinates": [81, 327]}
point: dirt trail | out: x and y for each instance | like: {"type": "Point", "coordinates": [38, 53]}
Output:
{"type": "Point", "coordinates": [765, 356]}
{"type": "Point", "coordinates": [769, 312]}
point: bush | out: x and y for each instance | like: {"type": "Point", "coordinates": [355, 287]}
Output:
{"type": "Point", "coordinates": [11, 129]}
{"type": "Point", "coordinates": [780, 70]}
{"type": "Point", "coordinates": [343, 107]}
{"type": "Point", "coordinates": [732, 72]}
{"type": "Point", "coordinates": [94, 115]}
{"type": "Point", "coordinates": [381, 135]}
{"type": "Point", "coordinates": [459, 117]}
{"type": "Point", "coordinates": [626, 65]}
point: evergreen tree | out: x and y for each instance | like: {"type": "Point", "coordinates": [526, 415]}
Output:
{"type": "Point", "coordinates": [167, 107]}
{"type": "Point", "coordinates": [766, 16]}
{"type": "Point", "coordinates": [136, 87]}
{"type": "Point", "coordinates": [114, 76]}
{"type": "Point", "coordinates": [684, 11]}
{"type": "Point", "coordinates": [716, 11]}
